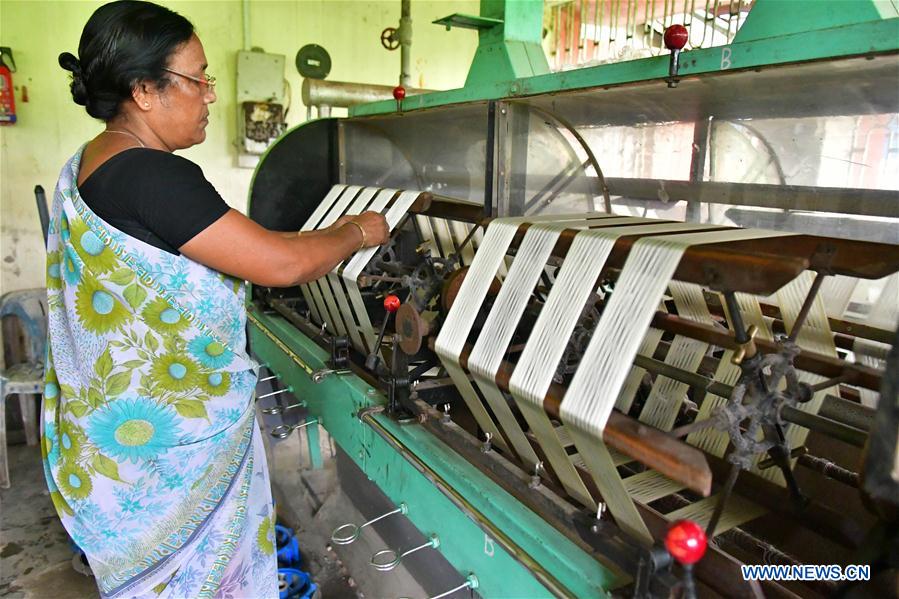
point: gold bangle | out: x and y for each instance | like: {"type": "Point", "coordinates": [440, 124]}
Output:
{"type": "Point", "coordinates": [361, 230]}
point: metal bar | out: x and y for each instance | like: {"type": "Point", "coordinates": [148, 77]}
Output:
{"type": "Point", "coordinates": [845, 329]}
{"type": "Point", "coordinates": [317, 92]}
{"type": "Point", "coordinates": [862, 202]}
{"type": "Point", "coordinates": [722, 500]}
{"type": "Point", "coordinates": [829, 523]}
{"type": "Point", "coordinates": [566, 176]}
{"type": "Point", "coordinates": [829, 427]}
{"type": "Point", "coordinates": [826, 366]}
{"type": "Point", "coordinates": [814, 422]}
{"type": "Point", "coordinates": [829, 469]}
{"type": "Point", "coordinates": [405, 35]}
{"type": "Point", "coordinates": [736, 319]}
{"type": "Point", "coordinates": [847, 412]}
{"type": "Point", "coordinates": [697, 165]}
{"type": "Point", "coordinates": [490, 148]}
{"type": "Point", "coordinates": [603, 187]}
{"type": "Point", "coordinates": [806, 306]}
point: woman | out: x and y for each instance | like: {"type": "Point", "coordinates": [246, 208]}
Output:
{"type": "Point", "coordinates": [151, 451]}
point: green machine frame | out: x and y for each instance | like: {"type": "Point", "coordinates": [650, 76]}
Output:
{"type": "Point", "coordinates": [482, 529]}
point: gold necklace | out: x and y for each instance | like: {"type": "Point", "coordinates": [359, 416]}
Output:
{"type": "Point", "coordinates": [126, 133]}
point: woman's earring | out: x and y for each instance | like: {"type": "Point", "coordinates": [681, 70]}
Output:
{"type": "Point", "coordinates": [146, 104]}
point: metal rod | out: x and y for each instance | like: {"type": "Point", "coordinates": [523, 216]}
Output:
{"type": "Point", "coordinates": [273, 393]}
{"type": "Point", "coordinates": [405, 35]}
{"type": "Point", "coordinates": [829, 469]}
{"type": "Point", "coordinates": [467, 239]}
{"type": "Point", "coordinates": [603, 188]}
{"type": "Point", "coordinates": [489, 159]}
{"type": "Point", "coordinates": [770, 463]}
{"type": "Point", "coordinates": [736, 318]}
{"type": "Point", "coordinates": [269, 378]}
{"type": "Point", "coordinates": [831, 428]}
{"type": "Point", "coordinates": [282, 431]}
{"type": "Point", "coordinates": [807, 305]}
{"type": "Point", "coordinates": [471, 582]}
{"type": "Point", "coordinates": [828, 383]}
{"type": "Point", "coordinates": [722, 499]}
{"type": "Point", "coordinates": [826, 366]}
{"type": "Point", "coordinates": [275, 410]}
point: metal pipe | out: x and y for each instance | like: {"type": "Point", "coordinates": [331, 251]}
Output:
{"type": "Point", "coordinates": [829, 469]}
{"type": "Point", "coordinates": [246, 24]}
{"type": "Point", "coordinates": [847, 412]}
{"type": "Point", "coordinates": [405, 35]}
{"type": "Point", "coordinates": [807, 305]}
{"type": "Point", "coordinates": [342, 94]}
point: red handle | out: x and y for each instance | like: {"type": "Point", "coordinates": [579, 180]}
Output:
{"type": "Point", "coordinates": [391, 303]}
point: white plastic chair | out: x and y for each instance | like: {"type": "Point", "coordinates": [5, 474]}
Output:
{"type": "Point", "coordinates": [25, 379]}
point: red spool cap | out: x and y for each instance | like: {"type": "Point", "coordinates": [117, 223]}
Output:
{"type": "Point", "coordinates": [399, 92]}
{"type": "Point", "coordinates": [676, 38]}
{"type": "Point", "coordinates": [391, 303]}
{"type": "Point", "coordinates": [686, 542]}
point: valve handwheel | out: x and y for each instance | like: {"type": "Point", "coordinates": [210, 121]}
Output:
{"type": "Point", "coordinates": [390, 39]}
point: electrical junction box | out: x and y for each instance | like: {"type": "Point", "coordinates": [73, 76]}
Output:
{"type": "Point", "coordinates": [260, 104]}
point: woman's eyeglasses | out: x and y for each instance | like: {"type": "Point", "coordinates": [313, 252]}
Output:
{"type": "Point", "coordinates": [207, 80]}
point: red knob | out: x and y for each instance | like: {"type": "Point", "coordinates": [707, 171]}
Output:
{"type": "Point", "coordinates": [391, 303]}
{"type": "Point", "coordinates": [686, 542]}
{"type": "Point", "coordinates": [676, 37]}
{"type": "Point", "coordinates": [399, 92]}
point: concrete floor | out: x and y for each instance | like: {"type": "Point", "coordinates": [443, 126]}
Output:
{"type": "Point", "coordinates": [36, 558]}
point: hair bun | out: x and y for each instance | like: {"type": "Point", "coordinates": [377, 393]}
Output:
{"type": "Point", "coordinates": [69, 62]}
{"type": "Point", "coordinates": [79, 90]}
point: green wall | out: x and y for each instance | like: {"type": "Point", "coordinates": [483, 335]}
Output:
{"type": "Point", "coordinates": [51, 127]}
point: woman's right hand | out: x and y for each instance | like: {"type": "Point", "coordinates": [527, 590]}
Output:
{"type": "Point", "coordinates": [375, 227]}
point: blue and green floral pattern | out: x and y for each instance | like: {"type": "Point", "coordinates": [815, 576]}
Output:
{"type": "Point", "coordinates": [151, 450]}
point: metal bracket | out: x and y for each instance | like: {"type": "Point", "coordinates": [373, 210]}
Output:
{"type": "Point", "coordinates": [319, 376]}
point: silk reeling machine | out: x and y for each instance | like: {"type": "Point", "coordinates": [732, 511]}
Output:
{"type": "Point", "coordinates": [628, 311]}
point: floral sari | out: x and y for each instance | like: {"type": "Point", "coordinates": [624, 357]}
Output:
{"type": "Point", "coordinates": [151, 450]}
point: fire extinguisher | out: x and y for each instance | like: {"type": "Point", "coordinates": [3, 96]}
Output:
{"type": "Point", "coordinates": [7, 93]}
